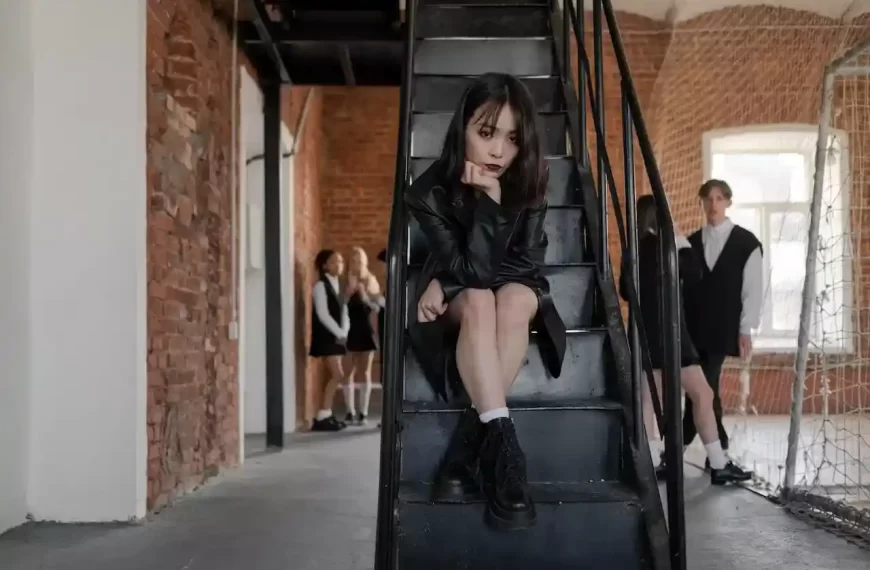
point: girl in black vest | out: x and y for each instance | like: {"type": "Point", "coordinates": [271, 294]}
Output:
{"type": "Point", "coordinates": [364, 301]}
{"type": "Point", "coordinates": [329, 328]}
{"type": "Point", "coordinates": [691, 377]}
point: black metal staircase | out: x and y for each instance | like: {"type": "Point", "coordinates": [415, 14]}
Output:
{"type": "Point", "coordinates": [588, 459]}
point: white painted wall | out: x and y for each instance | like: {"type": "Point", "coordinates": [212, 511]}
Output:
{"type": "Point", "coordinates": [73, 262]}
{"type": "Point", "coordinates": [16, 154]}
{"type": "Point", "coordinates": [253, 306]}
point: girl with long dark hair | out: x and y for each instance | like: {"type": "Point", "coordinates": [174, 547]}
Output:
{"type": "Point", "coordinates": [329, 328]}
{"type": "Point", "coordinates": [481, 208]}
{"type": "Point", "coordinates": [691, 376]}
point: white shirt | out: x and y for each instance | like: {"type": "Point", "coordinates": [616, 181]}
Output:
{"type": "Point", "coordinates": [714, 238]}
{"type": "Point", "coordinates": [321, 309]}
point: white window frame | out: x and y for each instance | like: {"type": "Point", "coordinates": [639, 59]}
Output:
{"type": "Point", "coordinates": [798, 139]}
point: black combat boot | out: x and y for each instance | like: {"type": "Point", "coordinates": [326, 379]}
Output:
{"type": "Point", "coordinates": [458, 472]}
{"type": "Point", "coordinates": [729, 474]}
{"type": "Point", "coordinates": [503, 470]}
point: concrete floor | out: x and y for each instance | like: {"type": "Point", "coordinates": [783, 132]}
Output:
{"type": "Point", "coordinates": [312, 507]}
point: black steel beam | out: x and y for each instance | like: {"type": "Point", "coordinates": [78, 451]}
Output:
{"type": "Point", "coordinates": [346, 65]}
{"type": "Point", "coordinates": [264, 29]}
{"type": "Point", "coordinates": [272, 248]}
{"type": "Point", "coordinates": [321, 33]}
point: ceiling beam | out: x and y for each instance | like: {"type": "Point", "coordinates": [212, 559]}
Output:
{"type": "Point", "coordinates": [264, 28]}
{"type": "Point", "coordinates": [321, 33]}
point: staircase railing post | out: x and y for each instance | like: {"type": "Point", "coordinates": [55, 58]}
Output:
{"type": "Point", "coordinates": [397, 265]}
{"type": "Point", "coordinates": [581, 82]}
{"type": "Point", "coordinates": [598, 57]}
{"type": "Point", "coordinates": [631, 222]}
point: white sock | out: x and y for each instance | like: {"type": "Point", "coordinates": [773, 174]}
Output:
{"type": "Point", "coordinates": [716, 455]}
{"type": "Point", "coordinates": [656, 447]}
{"type": "Point", "coordinates": [350, 397]}
{"type": "Point", "coordinates": [487, 417]}
{"type": "Point", "coordinates": [367, 397]}
{"type": "Point", "coordinates": [323, 415]}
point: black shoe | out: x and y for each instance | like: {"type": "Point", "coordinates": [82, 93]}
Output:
{"type": "Point", "coordinates": [456, 476]}
{"type": "Point", "coordinates": [361, 419]}
{"type": "Point", "coordinates": [503, 470]}
{"type": "Point", "coordinates": [327, 424]}
{"type": "Point", "coordinates": [662, 471]}
{"type": "Point", "coordinates": [349, 419]}
{"type": "Point", "coordinates": [729, 474]}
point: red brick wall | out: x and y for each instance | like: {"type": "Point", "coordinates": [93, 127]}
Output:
{"type": "Point", "coordinates": [308, 233]}
{"type": "Point", "coordinates": [360, 137]}
{"type": "Point", "coordinates": [192, 381]}
{"type": "Point", "coordinates": [192, 387]}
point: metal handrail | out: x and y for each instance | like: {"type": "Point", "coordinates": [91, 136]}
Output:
{"type": "Point", "coordinates": [668, 266]}
{"type": "Point", "coordinates": [396, 303]}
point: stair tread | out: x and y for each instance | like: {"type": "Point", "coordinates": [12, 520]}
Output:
{"type": "Point", "coordinates": [578, 404]}
{"type": "Point", "coordinates": [581, 492]}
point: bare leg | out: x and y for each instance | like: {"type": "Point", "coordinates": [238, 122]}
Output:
{"type": "Point", "coordinates": [701, 396]}
{"type": "Point", "coordinates": [649, 412]}
{"type": "Point", "coordinates": [476, 349]}
{"type": "Point", "coordinates": [363, 361]}
{"type": "Point", "coordinates": [515, 306]}
{"type": "Point", "coordinates": [349, 389]}
{"type": "Point", "coordinates": [334, 367]}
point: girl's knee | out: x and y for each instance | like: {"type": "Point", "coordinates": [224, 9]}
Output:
{"type": "Point", "coordinates": [516, 301]}
{"type": "Point", "coordinates": [476, 305]}
{"type": "Point", "coordinates": [696, 386]}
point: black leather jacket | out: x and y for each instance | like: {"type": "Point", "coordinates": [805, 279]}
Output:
{"type": "Point", "coordinates": [470, 241]}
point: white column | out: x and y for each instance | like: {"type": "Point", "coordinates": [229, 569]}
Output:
{"type": "Point", "coordinates": [88, 197]}
{"type": "Point", "coordinates": [16, 151]}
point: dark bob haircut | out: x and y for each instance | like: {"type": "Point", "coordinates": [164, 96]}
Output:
{"type": "Point", "coordinates": [709, 185]}
{"type": "Point", "coordinates": [322, 259]}
{"type": "Point", "coordinates": [524, 184]}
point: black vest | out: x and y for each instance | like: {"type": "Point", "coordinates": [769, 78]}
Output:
{"type": "Point", "coordinates": [320, 335]}
{"type": "Point", "coordinates": [713, 305]}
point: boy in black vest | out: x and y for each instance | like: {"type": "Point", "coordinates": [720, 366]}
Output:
{"type": "Point", "coordinates": [725, 305]}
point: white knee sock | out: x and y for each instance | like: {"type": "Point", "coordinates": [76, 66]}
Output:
{"type": "Point", "coordinates": [656, 447]}
{"type": "Point", "coordinates": [350, 397]}
{"type": "Point", "coordinates": [716, 455]}
{"type": "Point", "coordinates": [367, 397]}
{"type": "Point", "coordinates": [323, 415]}
{"type": "Point", "coordinates": [487, 417]}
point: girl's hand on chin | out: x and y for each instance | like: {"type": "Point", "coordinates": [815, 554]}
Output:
{"type": "Point", "coordinates": [482, 179]}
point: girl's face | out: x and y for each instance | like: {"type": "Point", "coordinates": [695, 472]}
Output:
{"type": "Point", "coordinates": [335, 265]}
{"type": "Point", "coordinates": [356, 264]}
{"type": "Point", "coordinates": [491, 141]}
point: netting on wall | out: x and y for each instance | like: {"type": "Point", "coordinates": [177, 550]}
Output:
{"type": "Point", "coordinates": [827, 469]}
{"type": "Point", "coordinates": [738, 96]}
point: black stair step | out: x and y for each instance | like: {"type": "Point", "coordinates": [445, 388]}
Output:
{"type": "Point", "coordinates": [428, 131]}
{"type": "Point", "coordinates": [584, 373]}
{"type": "Point", "coordinates": [561, 186]}
{"type": "Point", "coordinates": [520, 57]}
{"type": "Point", "coordinates": [579, 442]}
{"type": "Point", "coordinates": [598, 529]}
{"type": "Point", "coordinates": [464, 21]}
{"type": "Point", "coordinates": [564, 228]}
{"type": "Point", "coordinates": [442, 93]}
{"type": "Point", "coordinates": [571, 286]}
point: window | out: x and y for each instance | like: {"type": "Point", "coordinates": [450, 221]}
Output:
{"type": "Point", "coordinates": [770, 170]}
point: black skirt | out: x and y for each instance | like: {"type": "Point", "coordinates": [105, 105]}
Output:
{"type": "Point", "coordinates": [362, 336]}
{"type": "Point", "coordinates": [321, 350]}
